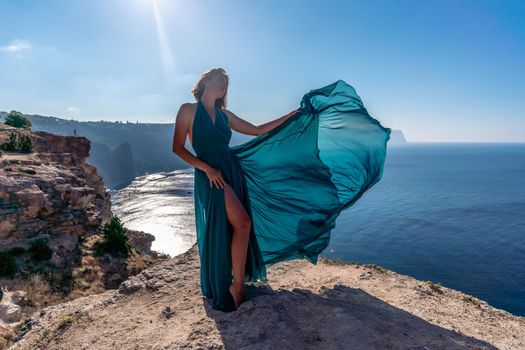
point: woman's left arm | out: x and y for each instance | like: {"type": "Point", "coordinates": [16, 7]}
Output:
{"type": "Point", "coordinates": [245, 127]}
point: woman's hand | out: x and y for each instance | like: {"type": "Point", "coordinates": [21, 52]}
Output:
{"type": "Point", "coordinates": [215, 177]}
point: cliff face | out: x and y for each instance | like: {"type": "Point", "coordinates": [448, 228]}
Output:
{"type": "Point", "coordinates": [325, 306]}
{"type": "Point", "coordinates": [50, 193]}
{"type": "Point", "coordinates": [117, 167]}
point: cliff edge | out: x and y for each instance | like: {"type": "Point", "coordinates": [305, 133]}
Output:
{"type": "Point", "coordinates": [50, 192]}
{"type": "Point", "coordinates": [330, 305]}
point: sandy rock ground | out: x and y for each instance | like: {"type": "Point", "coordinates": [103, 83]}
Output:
{"type": "Point", "coordinates": [325, 306]}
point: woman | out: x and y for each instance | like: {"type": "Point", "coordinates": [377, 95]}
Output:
{"type": "Point", "coordinates": [275, 197]}
{"type": "Point", "coordinates": [210, 92]}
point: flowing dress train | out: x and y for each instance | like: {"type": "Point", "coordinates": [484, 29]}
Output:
{"type": "Point", "coordinates": [293, 181]}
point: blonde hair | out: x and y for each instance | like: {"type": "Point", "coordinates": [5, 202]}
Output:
{"type": "Point", "coordinates": [198, 88]}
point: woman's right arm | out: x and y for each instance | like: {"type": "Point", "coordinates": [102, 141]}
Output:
{"type": "Point", "coordinates": [182, 124]}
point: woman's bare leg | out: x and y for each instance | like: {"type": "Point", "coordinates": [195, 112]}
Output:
{"type": "Point", "coordinates": [240, 220]}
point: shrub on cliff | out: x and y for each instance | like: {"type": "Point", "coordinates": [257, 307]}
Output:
{"type": "Point", "coordinates": [39, 250]}
{"type": "Point", "coordinates": [115, 241]}
{"type": "Point", "coordinates": [17, 120]}
{"type": "Point", "coordinates": [7, 265]}
{"type": "Point", "coordinates": [11, 145]}
{"type": "Point", "coordinates": [16, 251]}
{"type": "Point", "coordinates": [22, 143]}
{"type": "Point", "coordinates": [26, 144]}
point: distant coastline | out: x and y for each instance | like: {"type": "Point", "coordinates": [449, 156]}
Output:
{"type": "Point", "coordinates": [123, 151]}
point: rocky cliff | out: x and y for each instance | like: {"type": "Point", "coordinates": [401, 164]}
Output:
{"type": "Point", "coordinates": [53, 209]}
{"type": "Point", "coordinates": [330, 305]}
{"type": "Point", "coordinates": [50, 193]}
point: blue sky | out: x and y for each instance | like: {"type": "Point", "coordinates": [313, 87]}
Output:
{"type": "Point", "coordinates": [438, 70]}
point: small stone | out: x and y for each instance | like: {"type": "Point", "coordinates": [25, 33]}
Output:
{"type": "Point", "coordinates": [365, 275]}
{"type": "Point", "coordinates": [168, 312]}
{"type": "Point", "coordinates": [130, 286]}
{"type": "Point", "coordinates": [10, 312]}
{"type": "Point", "coordinates": [18, 296]}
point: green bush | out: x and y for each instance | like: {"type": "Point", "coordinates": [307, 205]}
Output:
{"type": "Point", "coordinates": [11, 145]}
{"type": "Point", "coordinates": [26, 144]}
{"type": "Point", "coordinates": [17, 120]}
{"type": "Point", "coordinates": [7, 265]}
{"type": "Point", "coordinates": [15, 251]}
{"type": "Point", "coordinates": [66, 280]}
{"type": "Point", "coordinates": [115, 240]}
{"type": "Point", "coordinates": [39, 250]}
{"type": "Point", "coordinates": [23, 144]}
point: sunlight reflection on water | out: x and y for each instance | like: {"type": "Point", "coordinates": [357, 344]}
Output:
{"type": "Point", "coordinates": [160, 204]}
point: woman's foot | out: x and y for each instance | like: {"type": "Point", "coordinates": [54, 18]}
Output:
{"type": "Point", "coordinates": [237, 291]}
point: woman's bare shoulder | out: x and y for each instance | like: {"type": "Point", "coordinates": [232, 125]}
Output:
{"type": "Point", "coordinates": [188, 105]}
{"type": "Point", "coordinates": [187, 109]}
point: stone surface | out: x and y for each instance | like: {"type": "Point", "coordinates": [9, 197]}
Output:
{"type": "Point", "coordinates": [51, 192]}
{"type": "Point", "coordinates": [141, 241]}
{"type": "Point", "coordinates": [304, 306]}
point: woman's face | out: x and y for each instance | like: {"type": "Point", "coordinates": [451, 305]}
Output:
{"type": "Point", "coordinates": [217, 85]}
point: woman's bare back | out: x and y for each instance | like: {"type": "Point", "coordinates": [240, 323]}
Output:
{"type": "Point", "coordinates": [191, 117]}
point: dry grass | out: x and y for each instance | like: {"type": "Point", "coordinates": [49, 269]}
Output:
{"type": "Point", "coordinates": [39, 292]}
{"type": "Point", "coordinates": [376, 267]}
{"type": "Point", "coordinates": [338, 262]}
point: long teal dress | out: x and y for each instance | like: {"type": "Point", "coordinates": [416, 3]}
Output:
{"type": "Point", "coordinates": [293, 181]}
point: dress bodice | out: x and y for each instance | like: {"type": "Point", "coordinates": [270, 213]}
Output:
{"type": "Point", "coordinates": [210, 138]}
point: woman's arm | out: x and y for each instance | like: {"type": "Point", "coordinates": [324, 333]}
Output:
{"type": "Point", "coordinates": [264, 128]}
{"type": "Point", "coordinates": [245, 127]}
{"type": "Point", "coordinates": [182, 124]}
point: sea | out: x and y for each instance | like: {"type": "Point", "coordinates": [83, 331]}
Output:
{"type": "Point", "coordinates": [451, 213]}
